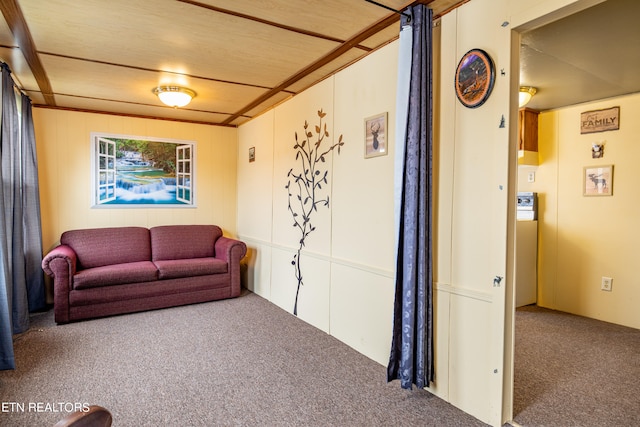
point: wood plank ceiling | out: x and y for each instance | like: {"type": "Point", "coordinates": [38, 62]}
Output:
{"type": "Point", "coordinates": [240, 57]}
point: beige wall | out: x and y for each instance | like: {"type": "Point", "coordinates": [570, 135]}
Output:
{"type": "Point", "coordinates": [64, 166]}
{"type": "Point", "coordinates": [585, 238]}
{"type": "Point", "coordinates": [472, 198]}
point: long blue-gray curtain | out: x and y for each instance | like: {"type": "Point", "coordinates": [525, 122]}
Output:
{"type": "Point", "coordinates": [412, 353]}
{"type": "Point", "coordinates": [32, 224]}
{"type": "Point", "coordinates": [21, 278]}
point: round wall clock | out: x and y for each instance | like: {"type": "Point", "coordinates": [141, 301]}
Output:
{"type": "Point", "coordinates": [475, 76]}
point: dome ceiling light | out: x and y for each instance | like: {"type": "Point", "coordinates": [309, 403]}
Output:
{"type": "Point", "coordinates": [526, 93]}
{"type": "Point", "coordinates": [174, 96]}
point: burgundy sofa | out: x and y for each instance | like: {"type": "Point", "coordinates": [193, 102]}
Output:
{"type": "Point", "coordinates": [106, 271]}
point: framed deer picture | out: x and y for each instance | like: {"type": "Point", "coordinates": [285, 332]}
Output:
{"type": "Point", "coordinates": [598, 180]}
{"type": "Point", "coordinates": [375, 136]}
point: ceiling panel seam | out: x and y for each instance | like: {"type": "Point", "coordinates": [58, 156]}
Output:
{"type": "Point", "coordinates": [135, 67]}
{"type": "Point", "coordinates": [270, 23]}
{"type": "Point", "coordinates": [335, 53]}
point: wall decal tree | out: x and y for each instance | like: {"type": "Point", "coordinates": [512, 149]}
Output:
{"type": "Point", "coordinates": [306, 182]}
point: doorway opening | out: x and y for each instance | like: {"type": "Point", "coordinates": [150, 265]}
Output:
{"type": "Point", "coordinates": [557, 58]}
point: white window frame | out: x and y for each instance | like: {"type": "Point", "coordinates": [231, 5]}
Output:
{"type": "Point", "coordinates": [104, 191]}
{"type": "Point", "coordinates": [106, 170]}
{"type": "Point", "coordinates": [184, 176]}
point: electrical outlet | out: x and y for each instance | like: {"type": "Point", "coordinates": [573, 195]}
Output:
{"type": "Point", "coordinates": [607, 283]}
{"type": "Point", "coordinates": [531, 177]}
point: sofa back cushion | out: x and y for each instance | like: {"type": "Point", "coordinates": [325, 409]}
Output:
{"type": "Point", "coordinates": [96, 247]}
{"type": "Point", "coordinates": [183, 241]}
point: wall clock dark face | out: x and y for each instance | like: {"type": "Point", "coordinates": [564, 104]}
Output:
{"type": "Point", "coordinates": [475, 76]}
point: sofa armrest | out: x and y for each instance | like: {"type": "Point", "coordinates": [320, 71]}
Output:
{"type": "Point", "coordinates": [62, 253]}
{"type": "Point", "coordinates": [60, 264]}
{"type": "Point", "coordinates": [232, 251]}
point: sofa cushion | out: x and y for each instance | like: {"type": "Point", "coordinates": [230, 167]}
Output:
{"type": "Point", "coordinates": [97, 247]}
{"type": "Point", "coordinates": [171, 269]}
{"type": "Point", "coordinates": [117, 274]}
{"type": "Point", "coordinates": [170, 242]}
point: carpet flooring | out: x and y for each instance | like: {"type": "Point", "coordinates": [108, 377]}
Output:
{"type": "Point", "coordinates": [237, 362]}
{"type": "Point", "coordinates": [246, 362]}
{"type": "Point", "coordinates": [575, 371]}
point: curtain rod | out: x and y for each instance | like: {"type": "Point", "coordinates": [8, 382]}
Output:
{"type": "Point", "coordinates": [13, 80]}
{"type": "Point", "coordinates": [406, 15]}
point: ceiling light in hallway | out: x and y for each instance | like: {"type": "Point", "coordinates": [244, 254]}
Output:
{"type": "Point", "coordinates": [526, 93]}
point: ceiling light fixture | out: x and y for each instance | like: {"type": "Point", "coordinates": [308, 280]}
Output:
{"type": "Point", "coordinates": [174, 96]}
{"type": "Point", "coordinates": [526, 93]}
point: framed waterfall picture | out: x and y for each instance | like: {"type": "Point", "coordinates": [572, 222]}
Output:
{"type": "Point", "coordinates": [133, 171]}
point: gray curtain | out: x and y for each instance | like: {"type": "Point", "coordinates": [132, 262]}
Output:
{"type": "Point", "coordinates": [22, 279]}
{"type": "Point", "coordinates": [412, 353]}
{"type": "Point", "coordinates": [32, 224]}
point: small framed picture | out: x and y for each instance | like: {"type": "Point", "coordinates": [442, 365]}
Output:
{"type": "Point", "coordinates": [598, 180]}
{"type": "Point", "coordinates": [375, 136]}
{"type": "Point", "coordinates": [597, 151]}
{"type": "Point", "coordinates": [252, 154]}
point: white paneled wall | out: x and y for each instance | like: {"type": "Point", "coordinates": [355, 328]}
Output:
{"type": "Point", "coordinates": [347, 262]}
